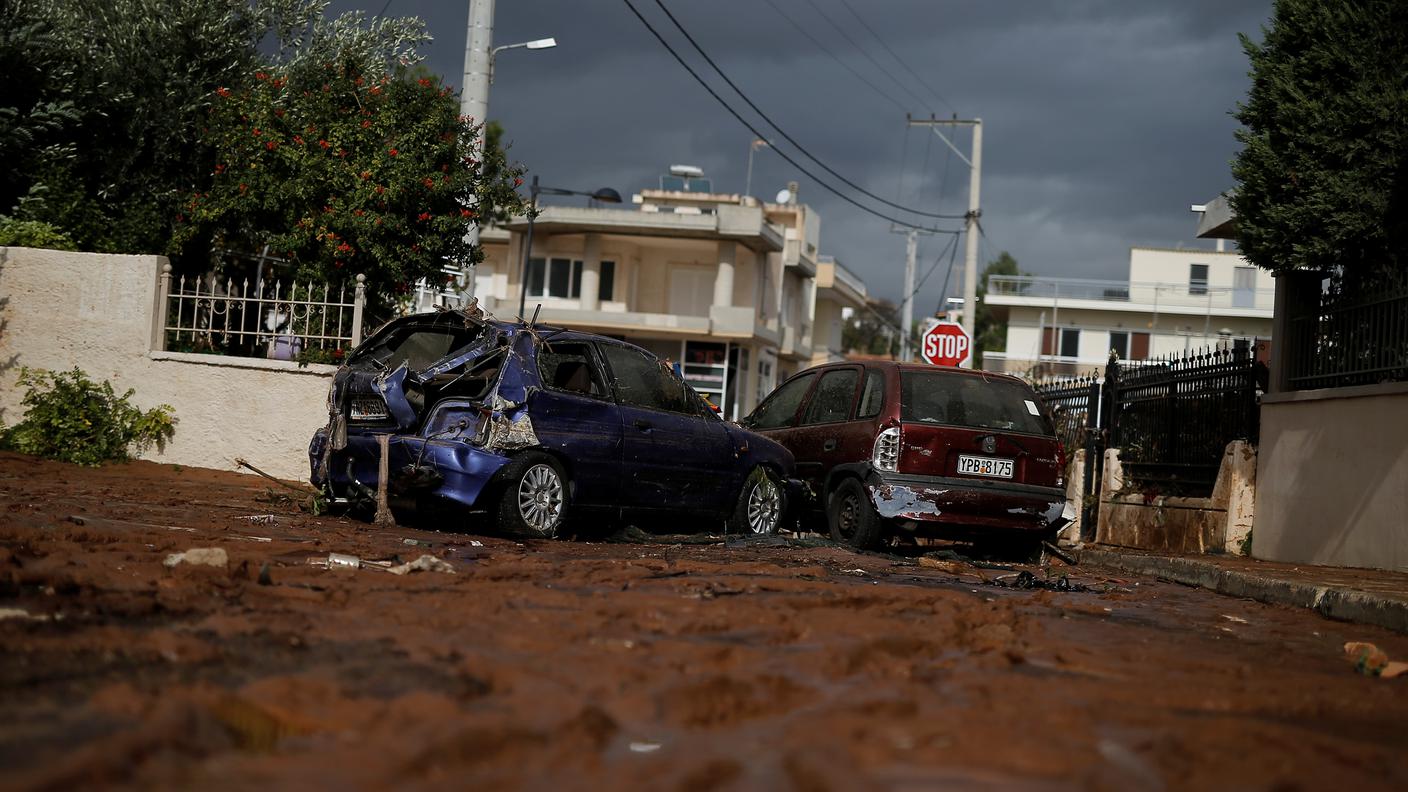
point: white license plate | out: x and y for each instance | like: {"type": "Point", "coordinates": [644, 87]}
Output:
{"type": "Point", "coordinates": [985, 466]}
{"type": "Point", "coordinates": [368, 408]}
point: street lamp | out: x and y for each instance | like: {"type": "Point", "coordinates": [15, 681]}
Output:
{"type": "Point", "coordinates": [604, 194]}
{"type": "Point", "coordinates": [748, 184]}
{"type": "Point", "coordinates": [536, 44]}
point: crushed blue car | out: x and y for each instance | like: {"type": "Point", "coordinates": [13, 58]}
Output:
{"type": "Point", "coordinates": [533, 426]}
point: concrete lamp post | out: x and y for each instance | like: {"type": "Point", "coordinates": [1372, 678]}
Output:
{"type": "Point", "coordinates": [604, 195]}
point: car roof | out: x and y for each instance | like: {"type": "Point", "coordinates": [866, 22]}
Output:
{"type": "Point", "coordinates": [895, 365]}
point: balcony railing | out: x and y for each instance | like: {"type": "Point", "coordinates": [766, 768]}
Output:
{"type": "Point", "coordinates": [1183, 295]}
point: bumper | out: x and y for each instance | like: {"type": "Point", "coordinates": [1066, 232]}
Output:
{"type": "Point", "coordinates": [970, 506]}
{"type": "Point", "coordinates": [451, 469]}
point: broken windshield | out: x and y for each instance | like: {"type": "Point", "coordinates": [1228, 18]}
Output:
{"type": "Point", "coordinates": [416, 345]}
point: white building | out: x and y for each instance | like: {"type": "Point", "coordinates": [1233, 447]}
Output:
{"type": "Point", "coordinates": [1173, 301]}
{"type": "Point", "coordinates": [722, 284]}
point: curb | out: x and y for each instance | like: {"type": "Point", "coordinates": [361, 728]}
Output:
{"type": "Point", "coordinates": [1334, 602]}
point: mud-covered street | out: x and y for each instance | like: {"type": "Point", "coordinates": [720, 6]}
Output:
{"type": "Point", "coordinates": [645, 664]}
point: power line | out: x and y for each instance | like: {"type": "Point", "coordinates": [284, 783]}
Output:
{"type": "Point", "coordinates": [832, 55]}
{"type": "Point", "coordinates": [897, 58]}
{"type": "Point", "coordinates": [754, 130]}
{"type": "Point", "coordinates": [783, 132]}
{"type": "Point", "coordinates": [952, 249]}
{"type": "Point", "coordinates": [861, 50]}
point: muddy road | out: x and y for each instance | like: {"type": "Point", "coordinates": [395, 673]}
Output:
{"type": "Point", "coordinates": [634, 665]}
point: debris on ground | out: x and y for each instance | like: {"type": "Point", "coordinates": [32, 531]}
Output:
{"type": "Point", "coordinates": [21, 613]}
{"type": "Point", "coordinates": [644, 746]}
{"type": "Point", "coordinates": [931, 562]}
{"type": "Point", "coordinates": [199, 556]}
{"type": "Point", "coordinates": [260, 519]}
{"type": "Point", "coordinates": [1059, 553]}
{"type": "Point", "coordinates": [426, 563]}
{"type": "Point", "coordinates": [1028, 581]}
{"type": "Point", "coordinates": [1236, 619]}
{"type": "Point", "coordinates": [1370, 660]}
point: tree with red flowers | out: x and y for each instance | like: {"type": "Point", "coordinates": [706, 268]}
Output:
{"type": "Point", "coordinates": [345, 159]}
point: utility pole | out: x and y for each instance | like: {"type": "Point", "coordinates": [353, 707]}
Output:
{"type": "Point", "coordinates": [474, 97]}
{"type": "Point", "coordinates": [970, 226]}
{"type": "Point", "coordinates": [911, 254]}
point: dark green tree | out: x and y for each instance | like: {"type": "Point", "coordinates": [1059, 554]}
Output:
{"type": "Point", "coordinates": [873, 330]}
{"type": "Point", "coordinates": [1323, 173]}
{"type": "Point", "coordinates": [991, 331]}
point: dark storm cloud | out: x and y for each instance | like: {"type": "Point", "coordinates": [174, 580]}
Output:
{"type": "Point", "coordinates": [1103, 119]}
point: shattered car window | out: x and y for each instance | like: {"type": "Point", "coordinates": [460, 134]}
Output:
{"type": "Point", "coordinates": [416, 345]}
{"type": "Point", "coordinates": [962, 400]}
{"type": "Point", "coordinates": [569, 367]}
{"type": "Point", "coordinates": [642, 382]}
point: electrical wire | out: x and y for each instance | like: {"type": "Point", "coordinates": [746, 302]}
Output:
{"type": "Point", "coordinates": [861, 50]}
{"type": "Point", "coordinates": [897, 58]}
{"type": "Point", "coordinates": [952, 249]}
{"type": "Point", "coordinates": [833, 56]}
{"type": "Point", "coordinates": [382, 12]}
{"type": "Point", "coordinates": [783, 132]}
{"type": "Point", "coordinates": [757, 133]}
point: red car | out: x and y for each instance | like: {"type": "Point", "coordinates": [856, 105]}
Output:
{"type": "Point", "coordinates": [927, 450]}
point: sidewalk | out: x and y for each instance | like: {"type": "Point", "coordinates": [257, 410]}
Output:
{"type": "Point", "coordinates": [1365, 596]}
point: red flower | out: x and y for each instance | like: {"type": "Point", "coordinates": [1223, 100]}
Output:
{"type": "Point", "coordinates": [219, 169]}
{"type": "Point", "coordinates": [423, 82]}
{"type": "Point", "coordinates": [358, 81]}
{"type": "Point", "coordinates": [423, 216]}
{"type": "Point", "coordinates": [260, 76]}
{"type": "Point", "coordinates": [380, 189]}
{"type": "Point", "coordinates": [256, 132]}
{"type": "Point", "coordinates": [517, 181]}
{"type": "Point", "coordinates": [366, 174]}
{"type": "Point", "coordinates": [324, 144]}
{"type": "Point", "coordinates": [393, 152]}
{"type": "Point", "coordinates": [297, 139]}
{"type": "Point", "coordinates": [342, 152]}
{"type": "Point", "coordinates": [374, 91]}
{"type": "Point", "coordinates": [223, 92]}
{"type": "Point", "coordinates": [271, 145]}
{"type": "Point", "coordinates": [244, 188]}
{"type": "Point", "coordinates": [277, 83]}
{"type": "Point", "coordinates": [344, 248]}
{"type": "Point", "coordinates": [466, 213]}
{"type": "Point", "coordinates": [378, 221]}
{"type": "Point", "coordinates": [366, 124]}
{"type": "Point", "coordinates": [429, 183]}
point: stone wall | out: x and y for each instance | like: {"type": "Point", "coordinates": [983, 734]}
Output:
{"type": "Point", "coordinates": [59, 310]}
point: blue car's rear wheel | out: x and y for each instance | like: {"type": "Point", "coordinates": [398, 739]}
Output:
{"type": "Point", "coordinates": [534, 499]}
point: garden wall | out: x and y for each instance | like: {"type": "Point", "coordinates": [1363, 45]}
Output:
{"type": "Point", "coordinates": [59, 310]}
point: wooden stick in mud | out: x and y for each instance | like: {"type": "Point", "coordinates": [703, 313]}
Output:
{"type": "Point", "coordinates": [383, 472]}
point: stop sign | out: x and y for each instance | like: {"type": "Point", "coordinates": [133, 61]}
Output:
{"type": "Point", "coordinates": [945, 344]}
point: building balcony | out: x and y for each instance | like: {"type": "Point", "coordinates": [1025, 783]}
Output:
{"type": "Point", "coordinates": [1147, 297]}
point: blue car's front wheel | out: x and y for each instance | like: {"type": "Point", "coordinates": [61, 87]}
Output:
{"type": "Point", "coordinates": [534, 499]}
{"type": "Point", "coordinates": [760, 504]}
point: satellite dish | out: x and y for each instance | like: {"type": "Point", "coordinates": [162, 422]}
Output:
{"type": "Point", "coordinates": [784, 196]}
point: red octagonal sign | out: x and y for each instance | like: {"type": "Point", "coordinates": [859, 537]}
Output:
{"type": "Point", "coordinates": [945, 344]}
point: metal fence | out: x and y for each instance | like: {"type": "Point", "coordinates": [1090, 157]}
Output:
{"type": "Point", "coordinates": [1075, 404]}
{"type": "Point", "coordinates": [295, 321]}
{"type": "Point", "coordinates": [1337, 340]}
{"type": "Point", "coordinates": [1172, 418]}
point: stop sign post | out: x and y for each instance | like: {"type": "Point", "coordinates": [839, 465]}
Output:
{"type": "Point", "coordinates": [945, 344]}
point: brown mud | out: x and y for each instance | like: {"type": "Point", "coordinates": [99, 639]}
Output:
{"type": "Point", "coordinates": [658, 665]}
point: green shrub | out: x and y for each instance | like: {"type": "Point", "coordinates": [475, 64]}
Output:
{"type": "Point", "coordinates": [73, 419]}
{"type": "Point", "coordinates": [33, 234]}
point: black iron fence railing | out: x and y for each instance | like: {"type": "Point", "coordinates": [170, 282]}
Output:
{"type": "Point", "coordinates": [1172, 418]}
{"type": "Point", "coordinates": [1337, 340]}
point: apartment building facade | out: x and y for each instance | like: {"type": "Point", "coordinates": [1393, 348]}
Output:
{"type": "Point", "coordinates": [1175, 300]}
{"type": "Point", "coordinates": [723, 285]}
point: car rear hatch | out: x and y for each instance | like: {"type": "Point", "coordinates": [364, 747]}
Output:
{"type": "Point", "coordinates": [414, 363]}
{"type": "Point", "coordinates": [968, 426]}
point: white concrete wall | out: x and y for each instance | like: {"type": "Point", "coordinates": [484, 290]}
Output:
{"type": "Point", "coordinates": [1159, 265]}
{"type": "Point", "coordinates": [1168, 334]}
{"type": "Point", "coordinates": [95, 312]}
{"type": "Point", "coordinates": [1333, 477]}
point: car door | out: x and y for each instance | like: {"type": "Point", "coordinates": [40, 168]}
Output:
{"type": "Point", "coordinates": [575, 415]}
{"type": "Point", "coordinates": [826, 435]}
{"type": "Point", "coordinates": [673, 457]}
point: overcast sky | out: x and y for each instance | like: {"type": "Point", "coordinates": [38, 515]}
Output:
{"type": "Point", "coordinates": [1103, 119]}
